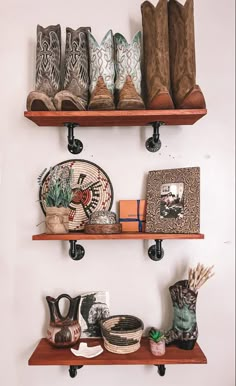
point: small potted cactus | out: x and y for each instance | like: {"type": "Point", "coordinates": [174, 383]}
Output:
{"type": "Point", "coordinates": [157, 342]}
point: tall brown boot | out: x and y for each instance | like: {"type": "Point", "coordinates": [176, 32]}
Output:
{"type": "Point", "coordinates": [186, 94]}
{"type": "Point", "coordinates": [156, 55]}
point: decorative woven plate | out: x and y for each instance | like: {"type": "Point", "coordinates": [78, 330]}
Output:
{"type": "Point", "coordinates": [92, 191]}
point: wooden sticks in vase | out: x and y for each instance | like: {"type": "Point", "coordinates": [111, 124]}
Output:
{"type": "Point", "coordinates": [198, 276]}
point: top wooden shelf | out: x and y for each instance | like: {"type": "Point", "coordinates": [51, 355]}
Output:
{"type": "Point", "coordinates": [115, 117]}
{"type": "Point", "coordinates": [46, 354]}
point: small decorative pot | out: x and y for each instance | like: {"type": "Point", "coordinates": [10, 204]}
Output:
{"type": "Point", "coordinates": [157, 348]}
{"type": "Point", "coordinates": [57, 220]}
{"type": "Point", "coordinates": [63, 331]}
{"type": "Point", "coordinates": [102, 217]}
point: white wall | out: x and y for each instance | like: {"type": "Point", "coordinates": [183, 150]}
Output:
{"type": "Point", "coordinates": [31, 270]}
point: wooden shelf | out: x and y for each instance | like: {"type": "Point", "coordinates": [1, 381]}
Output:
{"type": "Point", "coordinates": [118, 236]}
{"type": "Point", "coordinates": [115, 117]}
{"type": "Point", "coordinates": [46, 354]}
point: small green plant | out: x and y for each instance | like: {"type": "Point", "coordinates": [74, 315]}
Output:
{"type": "Point", "coordinates": [59, 191]}
{"type": "Point", "coordinates": [156, 335]}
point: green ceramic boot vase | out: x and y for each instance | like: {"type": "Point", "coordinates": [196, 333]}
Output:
{"type": "Point", "coordinates": [184, 331]}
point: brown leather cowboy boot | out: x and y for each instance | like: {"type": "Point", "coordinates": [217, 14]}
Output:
{"type": "Point", "coordinates": [48, 61]}
{"type": "Point", "coordinates": [102, 73]}
{"type": "Point", "coordinates": [74, 95]}
{"type": "Point", "coordinates": [186, 94]}
{"type": "Point", "coordinates": [128, 72]}
{"type": "Point", "coordinates": [156, 55]}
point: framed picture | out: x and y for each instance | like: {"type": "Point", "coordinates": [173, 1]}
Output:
{"type": "Point", "coordinates": [94, 306]}
{"type": "Point", "coordinates": [173, 201]}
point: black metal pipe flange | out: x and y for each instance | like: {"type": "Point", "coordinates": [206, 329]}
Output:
{"type": "Point", "coordinates": [73, 370]}
{"type": "Point", "coordinates": [161, 369]}
{"type": "Point", "coordinates": [76, 251]}
{"type": "Point", "coordinates": [156, 252]}
{"type": "Point", "coordinates": [75, 146]}
{"type": "Point", "coordinates": [153, 144]}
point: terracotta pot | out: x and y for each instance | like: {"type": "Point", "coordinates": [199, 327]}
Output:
{"type": "Point", "coordinates": [158, 348]}
{"type": "Point", "coordinates": [57, 220]}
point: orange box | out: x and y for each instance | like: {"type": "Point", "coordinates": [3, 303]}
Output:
{"type": "Point", "coordinates": [133, 215]}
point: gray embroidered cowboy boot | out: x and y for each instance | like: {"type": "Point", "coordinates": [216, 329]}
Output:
{"type": "Point", "coordinates": [156, 55]}
{"type": "Point", "coordinates": [128, 72]}
{"type": "Point", "coordinates": [184, 331]}
{"type": "Point", "coordinates": [102, 73]}
{"type": "Point", "coordinates": [74, 95]}
{"type": "Point", "coordinates": [186, 94]}
{"type": "Point", "coordinates": [48, 61]}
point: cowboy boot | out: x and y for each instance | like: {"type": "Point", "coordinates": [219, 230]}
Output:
{"type": "Point", "coordinates": [184, 331]}
{"type": "Point", "coordinates": [186, 94]}
{"type": "Point", "coordinates": [102, 73]}
{"type": "Point", "coordinates": [74, 95]}
{"type": "Point", "coordinates": [48, 60]}
{"type": "Point", "coordinates": [128, 72]}
{"type": "Point", "coordinates": [156, 55]}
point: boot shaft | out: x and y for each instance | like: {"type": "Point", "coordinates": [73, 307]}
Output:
{"type": "Point", "coordinates": [101, 58]}
{"type": "Point", "coordinates": [76, 78]}
{"type": "Point", "coordinates": [182, 296]}
{"type": "Point", "coordinates": [186, 93]}
{"type": "Point", "coordinates": [48, 59]}
{"type": "Point", "coordinates": [182, 42]}
{"type": "Point", "coordinates": [128, 61]}
{"type": "Point", "coordinates": [156, 55]}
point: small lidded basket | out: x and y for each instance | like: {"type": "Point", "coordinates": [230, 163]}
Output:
{"type": "Point", "coordinates": [122, 333]}
{"type": "Point", "coordinates": [103, 222]}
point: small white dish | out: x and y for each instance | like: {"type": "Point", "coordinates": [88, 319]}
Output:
{"type": "Point", "coordinates": [87, 352]}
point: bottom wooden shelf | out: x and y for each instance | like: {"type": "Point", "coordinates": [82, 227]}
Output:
{"type": "Point", "coordinates": [45, 354]}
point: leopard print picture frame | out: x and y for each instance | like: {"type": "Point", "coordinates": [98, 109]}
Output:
{"type": "Point", "coordinates": [173, 201]}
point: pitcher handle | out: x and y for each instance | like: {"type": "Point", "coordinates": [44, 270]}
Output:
{"type": "Point", "coordinates": [58, 308]}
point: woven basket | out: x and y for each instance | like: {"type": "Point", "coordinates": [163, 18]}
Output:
{"type": "Point", "coordinates": [122, 333]}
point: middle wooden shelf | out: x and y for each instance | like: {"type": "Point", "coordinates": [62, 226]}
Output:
{"type": "Point", "coordinates": [155, 252]}
{"type": "Point", "coordinates": [118, 236]}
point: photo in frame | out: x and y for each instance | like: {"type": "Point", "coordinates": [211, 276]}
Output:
{"type": "Point", "coordinates": [173, 201]}
{"type": "Point", "coordinates": [94, 306]}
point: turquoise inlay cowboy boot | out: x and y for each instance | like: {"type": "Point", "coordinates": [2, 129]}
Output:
{"type": "Point", "coordinates": [48, 61]}
{"type": "Point", "coordinates": [74, 95]}
{"type": "Point", "coordinates": [128, 72]}
{"type": "Point", "coordinates": [102, 73]}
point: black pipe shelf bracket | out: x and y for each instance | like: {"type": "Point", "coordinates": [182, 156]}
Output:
{"type": "Point", "coordinates": [153, 144]}
{"type": "Point", "coordinates": [73, 370]}
{"type": "Point", "coordinates": [161, 369]}
{"type": "Point", "coordinates": [156, 252]}
{"type": "Point", "coordinates": [75, 146]}
{"type": "Point", "coordinates": [76, 251]}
